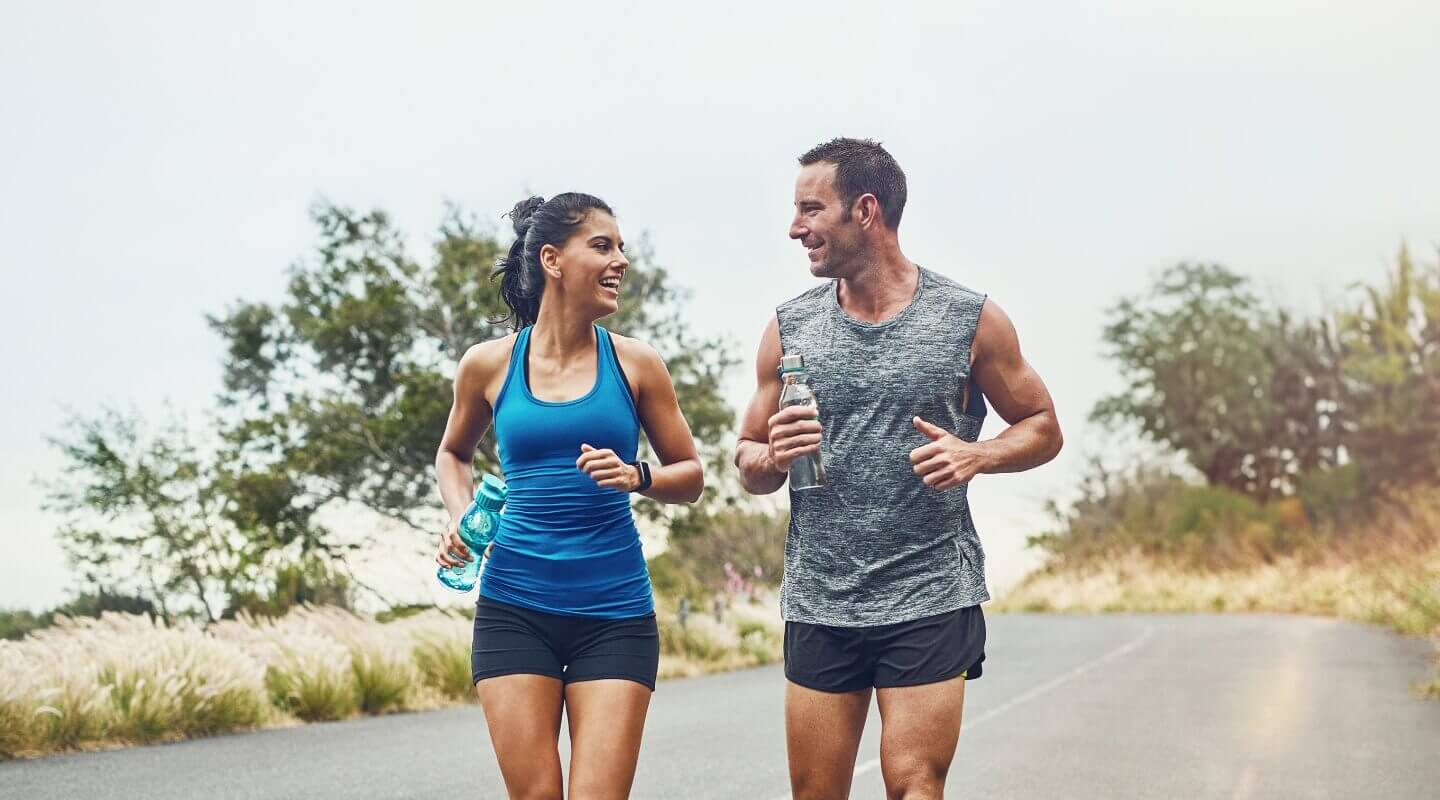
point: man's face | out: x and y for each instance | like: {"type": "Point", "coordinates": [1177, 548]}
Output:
{"type": "Point", "coordinates": [823, 224]}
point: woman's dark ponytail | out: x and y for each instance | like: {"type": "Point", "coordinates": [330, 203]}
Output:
{"type": "Point", "coordinates": [521, 283]}
{"type": "Point", "coordinates": [537, 223]}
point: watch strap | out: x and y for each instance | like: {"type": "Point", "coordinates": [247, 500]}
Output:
{"type": "Point", "coordinates": [645, 477]}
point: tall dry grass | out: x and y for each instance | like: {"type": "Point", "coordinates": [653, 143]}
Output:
{"type": "Point", "coordinates": [125, 679]}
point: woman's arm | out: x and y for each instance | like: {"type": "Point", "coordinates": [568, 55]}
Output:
{"type": "Point", "coordinates": [469, 418]}
{"type": "Point", "coordinates": [680, 477]}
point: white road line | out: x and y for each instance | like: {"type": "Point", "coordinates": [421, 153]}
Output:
{"type": "Point", "coordinates": [1025, 697]}
{"type": "Point", "coordinates": [1247, 783]}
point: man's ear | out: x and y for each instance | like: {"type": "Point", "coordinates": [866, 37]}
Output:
{"type": "Point", "coordinates": [867, 211]}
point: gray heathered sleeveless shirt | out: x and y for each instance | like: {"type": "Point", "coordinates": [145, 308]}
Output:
{"type": "Point", "coordinates": [875, 546]}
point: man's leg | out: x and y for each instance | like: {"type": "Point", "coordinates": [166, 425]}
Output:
{"type": "Point", "coordinates": [920, 726]}
{"type": "Point", "coordinates": [920, 675]}
{"type": "Point", "coordinates": [822, 735]}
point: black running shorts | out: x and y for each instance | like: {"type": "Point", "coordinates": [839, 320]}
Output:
{"type": "Point", "coordinates": [511, 640]}
{"type": "Point", "coordinates": [925, 650]}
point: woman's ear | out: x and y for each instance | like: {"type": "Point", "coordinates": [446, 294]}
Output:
{"type": "Point", "coordinates": [550, 260]}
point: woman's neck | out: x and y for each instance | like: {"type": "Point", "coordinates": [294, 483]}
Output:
{"type": "Point", "coordinates": [562, 335]}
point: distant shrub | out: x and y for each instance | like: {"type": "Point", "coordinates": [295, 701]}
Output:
{"type": "Point", "coordinates": [694, 564]}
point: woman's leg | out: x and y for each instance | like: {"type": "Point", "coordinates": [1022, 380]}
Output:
{"type": "Point", "coordinates": [606, 718]}
{"type": "Point", "coordinates": [523, 714]}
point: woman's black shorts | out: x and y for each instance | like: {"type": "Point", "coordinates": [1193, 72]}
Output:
{"type": "Point", "coordinates": [511, 640]}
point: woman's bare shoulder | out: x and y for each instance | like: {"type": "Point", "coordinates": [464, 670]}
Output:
{"type": "Point", "coordinates": [634, 351]}
{"type": "Point", "coordinates": [484, 359]}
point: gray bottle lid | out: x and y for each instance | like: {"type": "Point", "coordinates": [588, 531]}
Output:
{"type": "Point", "coordinates": [792, 363]}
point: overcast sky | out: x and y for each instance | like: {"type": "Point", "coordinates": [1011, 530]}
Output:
{"type": "Point", "coordinates": [157, 162]}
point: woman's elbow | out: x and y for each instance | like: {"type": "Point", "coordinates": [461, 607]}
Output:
{"type": "Point", "coordinates": [447, 455]}
{"type": "Point", "coordinates": [697, 486]}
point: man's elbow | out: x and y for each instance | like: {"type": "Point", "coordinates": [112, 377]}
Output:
{"type": "Point", "coordinates": [749, 481]}
{"type": "Point", "coordinates": [758, 485]}
{"type": "Point", "coordinates": [1055, 441]}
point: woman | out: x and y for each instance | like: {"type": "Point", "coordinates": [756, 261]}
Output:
{"type": "Point", "coordinates": [565, 616]}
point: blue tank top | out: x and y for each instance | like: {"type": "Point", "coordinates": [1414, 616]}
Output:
{"type": "Point", "coordinates": [566, 545]}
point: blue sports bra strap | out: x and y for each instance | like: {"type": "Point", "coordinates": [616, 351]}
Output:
{"type": "Point", "coordinates": [607, 345]}
{"type": "Point", "coordinates": [517, 369]}
{"type": "Point", "coordinates": [522, 344]}
{"type": "Point", "coordinates": [617, 372]}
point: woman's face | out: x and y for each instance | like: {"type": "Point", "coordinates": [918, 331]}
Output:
{"type": "Point", "coordinates": [589, 268]}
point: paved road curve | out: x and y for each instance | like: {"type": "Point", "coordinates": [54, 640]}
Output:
{"type": "Point", "coordinates": [1091, 707]}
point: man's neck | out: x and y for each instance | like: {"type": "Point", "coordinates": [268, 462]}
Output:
{"type": "Point", "coordinates": [882, 289]}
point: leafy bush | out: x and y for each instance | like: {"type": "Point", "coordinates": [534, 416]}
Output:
{"type": "Point", "coordinates": [694, 564]}
{"type": "Point", "coordinates": [310, 582]}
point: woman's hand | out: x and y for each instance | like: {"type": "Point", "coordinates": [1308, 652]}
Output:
{"type": "Point", "coordinates": [453, 552]}
{"type": "Point", "coordinates": [606, 469]}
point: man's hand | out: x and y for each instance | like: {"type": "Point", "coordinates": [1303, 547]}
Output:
{"type": "Point", "coordinates": [794, 432]}
{"type": "Point", "coordinates": [947, 461]}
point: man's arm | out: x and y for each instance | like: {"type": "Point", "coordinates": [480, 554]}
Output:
{"type": "Point", "coordinates": [1016, 393]}
{"type": "Point", "coordinates": [770, 441]}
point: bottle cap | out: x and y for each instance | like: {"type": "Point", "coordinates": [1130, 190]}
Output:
{"type": "Point", "coordinates": [793, 363]}
{"type": "Point", "coordinates": [492, 492]}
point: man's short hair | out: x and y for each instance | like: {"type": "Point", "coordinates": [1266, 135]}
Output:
{"type": "Point", "coordinates": [862, 166]}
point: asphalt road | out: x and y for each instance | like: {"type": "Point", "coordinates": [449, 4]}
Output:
{"type": "Point", "coordinates": [1093, 707]}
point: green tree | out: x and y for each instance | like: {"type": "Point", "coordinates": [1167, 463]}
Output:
{"type": "Point", "coordinates": [1301, 406]}
{"type": "Point", "coordinates": [144, 514]}
{"type": "Point", "coordinates": [1196, 359]}
{"type": "Point", "coordinates": [1391, 345]}
{"type": "Point", "coordinates": [339, 393]}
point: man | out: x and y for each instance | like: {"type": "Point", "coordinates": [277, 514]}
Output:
{"type": "Point", "coordinates": [884, 574]}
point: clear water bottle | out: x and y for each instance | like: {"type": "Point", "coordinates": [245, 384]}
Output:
{"type": "Point", "coordinates": [477, 529]}
{"type": "Point", "coordinates": [806, 472]}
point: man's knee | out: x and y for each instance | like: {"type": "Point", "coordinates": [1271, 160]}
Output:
{"type": "Point", "coordinates": [910, 778]}
{"type": "Point", "coordinates": [820, 781]}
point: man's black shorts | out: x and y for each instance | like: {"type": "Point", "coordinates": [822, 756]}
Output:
{"type": "Point", "coordinates": [511, 640]}
{"type": "Point", "coordinates": [925, 650]}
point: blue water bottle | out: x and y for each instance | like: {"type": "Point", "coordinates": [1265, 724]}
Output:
{"type": "Point", "coordinates": [477, 529]}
